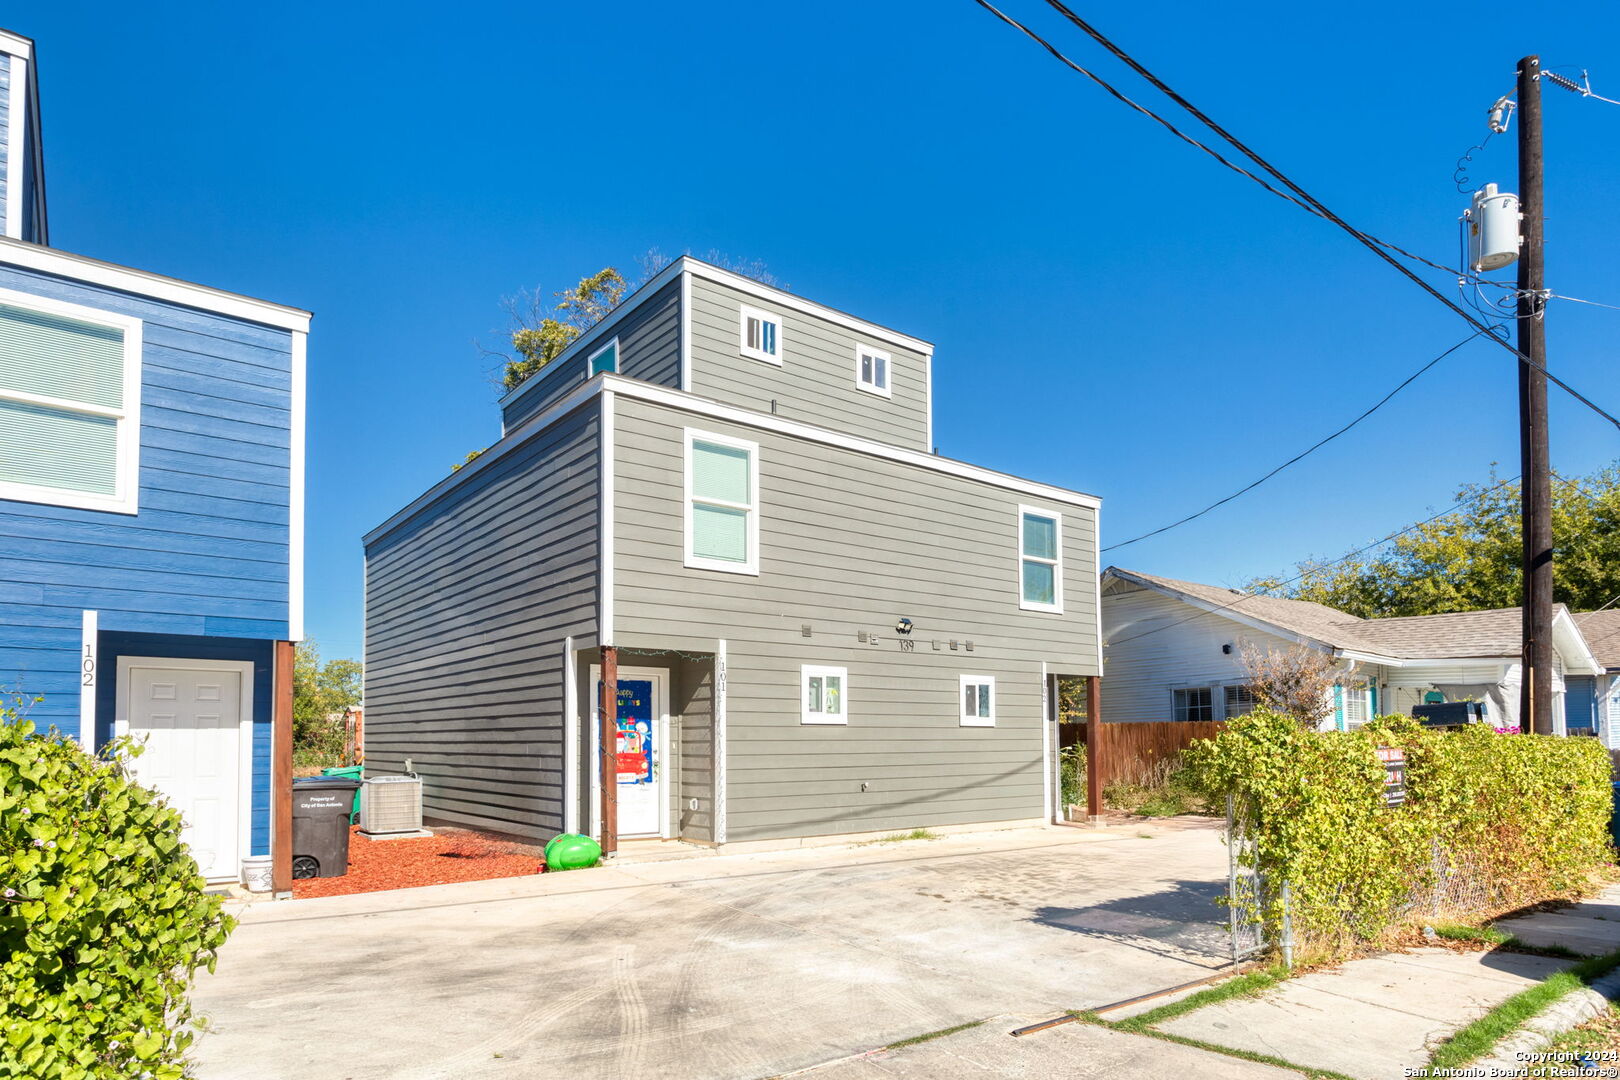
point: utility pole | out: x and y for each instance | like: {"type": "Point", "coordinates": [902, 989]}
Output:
{"type": "Point", "coordinates": [1535, 690]}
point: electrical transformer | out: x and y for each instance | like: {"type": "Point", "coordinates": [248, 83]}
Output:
{"type": "Point", "coordinates": [1492, 228]}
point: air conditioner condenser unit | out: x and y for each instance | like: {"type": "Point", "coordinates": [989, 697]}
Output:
{"type": "Point", "coordinates": [391, 804]}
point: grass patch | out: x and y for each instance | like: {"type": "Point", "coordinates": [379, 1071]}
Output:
{"type": "Point", "coordinates": [895, 838]}
{"type": "Point", "coordinates": [1200, 1044]}
{"type": "Point", "coordinates": [1490, 935]}
{"type": "Point", "coordinates": [1478, 1038]}
{"type": "Point", "coordinates": [1246, 985]}
{"type": "Point", "coordinates": [1480, 935]}
{"type": "Point", "coordinates": [940, 1034]}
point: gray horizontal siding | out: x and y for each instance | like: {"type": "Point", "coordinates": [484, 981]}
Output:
{"type": "Point", "coordinates": [851, 543]}
{"type": "Point", "coordinates": [649, 349]}
{"type": "Point", "coordinates": [694, 702]}
{"type": "Point", "coordinates": [468, 603]}
{"type": "Point", "coordinates": [816, 380]}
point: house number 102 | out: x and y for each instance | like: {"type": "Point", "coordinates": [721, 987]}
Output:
{"type": "Point", "coordinates": [88, 666]}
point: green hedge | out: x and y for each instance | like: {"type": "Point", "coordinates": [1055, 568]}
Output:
{"type": "Point", "coordinates": [1492, 822]}
{"type": "Point", "coordinates": [103, 916]}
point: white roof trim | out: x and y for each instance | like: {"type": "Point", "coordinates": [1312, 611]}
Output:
{"type": "Point", "coordinates": [781, 298]}
{"type": "Point", "coordinates": [509, 442]}
{"type": "Point", "coordinates": [154, 286]}
{"type": "Point", "coordinates": [1572, 647]}
{"type": "Point", "coordinates": [1252, 621]}
{"type": "Point", "coordinates": [16, 45]}
{"type": "Point", "coordinates": [676, 399]}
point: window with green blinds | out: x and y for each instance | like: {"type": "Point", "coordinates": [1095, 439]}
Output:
{"type": "Point", "coordinates": [721, 528]}
{"type": "Point", "coordinates": [62, 358]}
{"type": "Point", "coordinates": [63, 413]}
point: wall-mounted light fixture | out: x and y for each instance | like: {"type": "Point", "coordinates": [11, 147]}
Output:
{"type": "Point", "coordinates": [903, 626]}
{"type": "Point", "coordinates": [1227, 648]}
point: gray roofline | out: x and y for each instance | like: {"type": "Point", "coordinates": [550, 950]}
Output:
{"type": "Point", "coordinates": [636, 388]}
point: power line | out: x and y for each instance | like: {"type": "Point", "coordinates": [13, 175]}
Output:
{"type": "Point", "coordinates": [1315, 568]}
{"type": "Point", "coordinates": [1178, 133]}
{"type": "Point", "coordinates": [1300, 196]}
{"type": "Point", "coordinates": [1306, 452]}
{"type": "Point", "coordinates": [1372, 244]}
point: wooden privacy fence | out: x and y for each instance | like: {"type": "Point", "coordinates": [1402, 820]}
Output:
{"type": "Point", "coordinates": [1135, 752]}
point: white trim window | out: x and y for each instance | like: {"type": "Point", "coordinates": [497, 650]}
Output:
{"type": "Point", "coordinates": [70, 400]}
{"type": "Point", "coordinates": [1192, 704]}
{"type": "Point", "coordinates": [1040, 560]}
{"type": "Point", "coordinates": [872, 370]}
{"type": "Point", "coordinates": [761, 335]}
{"type": "Point", "coordinates": [605, 358]}
{"type": "Point", "coordinates": [824, 694]}
{"type": "Point", "coordinates": [1356, 706]}
{"type": "Point", "coordinates": [1239, 700]}
{"type": "Point", "coordinates": [722, 503]}
{"type": "Point", "coordinates": [978, 700]}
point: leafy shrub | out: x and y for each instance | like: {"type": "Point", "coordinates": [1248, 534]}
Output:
{"type": "Point", "coordinates": [1491, 822]}
{"type": "Point", "coordinates": [103, 916]}
{"type": "Point", "coordinates": [1072, 774]}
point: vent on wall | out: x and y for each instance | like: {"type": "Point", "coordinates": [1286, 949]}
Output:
{"type": "Point", "coordinates": [391, 804]}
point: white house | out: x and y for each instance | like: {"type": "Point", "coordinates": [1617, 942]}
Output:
{"type": "Point", "coordinates": [1595, 700]}
{"type": "Point", "coordinates": [1173, 651]}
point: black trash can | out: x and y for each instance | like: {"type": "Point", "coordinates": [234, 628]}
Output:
{"type": "Point", "coordinates": [320, 825]}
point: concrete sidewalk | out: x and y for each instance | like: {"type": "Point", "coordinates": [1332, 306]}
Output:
{"type": "Point", "coordinates": [1070, 1052]}
{"type": "Point", "coordinates": [1372, 1018]}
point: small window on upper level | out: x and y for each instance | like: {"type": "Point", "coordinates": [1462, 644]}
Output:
{"type": "Point", "coordinates": [824, 694]}
{"type": "Point", "coordinates": [605, 359]}
{"type": "Point", "coordinates": [722, 503]}
{"type": "Point", "coordinates": [978, 701]}
{"type": "Point", "coordinates": [70, 391]}
{"type": "Point", "coordinates": [761, 335]}
{"type": "Point", "coordinates": [1040, 560]}
{"type": "Point", "coordinates": [872, 370]}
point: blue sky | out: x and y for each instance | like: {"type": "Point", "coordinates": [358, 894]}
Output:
{"type": "Point", "coordinates": [1112, 311]}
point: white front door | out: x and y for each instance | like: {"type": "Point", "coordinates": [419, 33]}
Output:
{"type": "Point", "coordinates": [192, 720]}
{"type": "Point", "coordinates": [640, 750]}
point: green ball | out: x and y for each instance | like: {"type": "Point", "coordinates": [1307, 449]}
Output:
{"type": "Point", "coordinates": [571, 851]}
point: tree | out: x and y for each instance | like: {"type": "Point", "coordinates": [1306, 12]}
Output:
{"type": "Point", "coordinates": [1297, 681]}
{"type": "Point", "coordinates": [1468, 558]}
{"type": "Point", "coordinates": [320, 692]}
{"type": "Point", "coordinates": [539, 338]}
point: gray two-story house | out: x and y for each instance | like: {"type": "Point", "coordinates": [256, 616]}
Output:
{"type": "Point", "coordinates": [820, 626]}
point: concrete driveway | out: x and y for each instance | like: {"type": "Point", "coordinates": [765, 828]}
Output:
{"type": "Point", "coordinates": [734, 966]}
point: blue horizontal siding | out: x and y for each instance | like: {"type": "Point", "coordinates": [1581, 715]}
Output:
{"type": "Point", "coordinates": [207, 555]}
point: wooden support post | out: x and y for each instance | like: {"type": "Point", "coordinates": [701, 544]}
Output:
{"type": "Point", "coordinates": [281, 768]}
{"type": "Point", "coordinates": [1094, 748]}
{"type": "Point", "coordinates": [609, 740]}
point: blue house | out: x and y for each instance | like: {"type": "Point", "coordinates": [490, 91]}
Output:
{"type": "Point", "coordinates": [151, 510]}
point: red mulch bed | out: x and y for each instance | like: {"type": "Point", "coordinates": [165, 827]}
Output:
{"type": "Point", "coordinates": [451, 855]}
